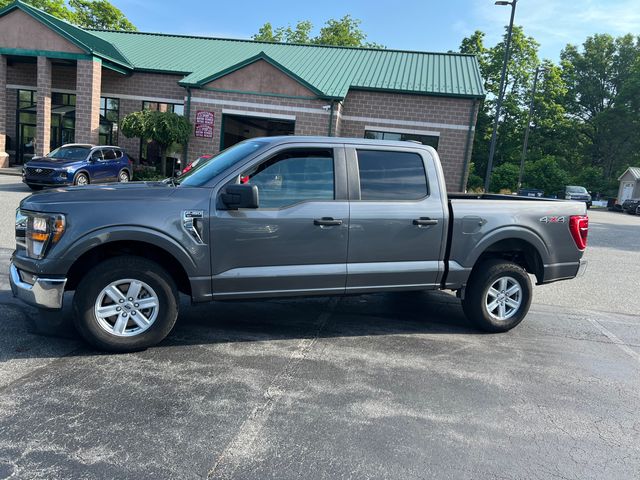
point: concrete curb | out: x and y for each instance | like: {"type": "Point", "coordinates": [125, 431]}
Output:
{"type": "Point", "coordinates": [16, 172]}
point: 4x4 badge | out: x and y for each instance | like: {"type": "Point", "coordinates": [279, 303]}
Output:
{"type": "Point", "coordinates": [553, 219]}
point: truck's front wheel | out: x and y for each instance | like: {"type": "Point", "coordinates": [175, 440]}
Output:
{"type": "Point", "coordinates": [498, 295]}
{"type": "Point", "coordinates": [126, 304]}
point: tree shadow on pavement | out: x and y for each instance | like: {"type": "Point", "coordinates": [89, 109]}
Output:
{"type": "Point", "coordinates": [256, 321]}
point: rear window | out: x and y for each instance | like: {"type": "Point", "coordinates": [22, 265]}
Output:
{"type": "Point", "coordinates": [391, 175]}
{"type": "Point", "coordinates": [109, 154]}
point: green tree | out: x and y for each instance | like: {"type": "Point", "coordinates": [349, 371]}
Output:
{"type": "Point", "coordinates": [602, 80]}
{"type": "Point", "coordinates": [522, 63]}
{"type": "Point", "coordinates": [505, 177]}
{"type": "Point", "coordinates": [84, 13]}
{"type": "Point", "coordinates": [545, 174]}
{"type": "Point", "coordinates": [344, 32]}
{"type": "Point", "coordinates": [165, 128]}
{"type": "Point", "coordinates": [99, 14]}
{"type": "Point", "coordinates": [299, 34]}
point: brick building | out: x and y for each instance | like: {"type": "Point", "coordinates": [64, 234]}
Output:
{"type": "Point", "coordinates": [61, 84]}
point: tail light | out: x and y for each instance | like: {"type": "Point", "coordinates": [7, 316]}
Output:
{"type": "Point", "coordinates": [579, 227]}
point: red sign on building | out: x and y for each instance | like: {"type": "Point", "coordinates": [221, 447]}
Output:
{"type": "Point", "coordinates": [205, 131]}
{"type": "Point", "coordinates": [204, 118]}
{"type": "Point", "coordinates": [204, 124]}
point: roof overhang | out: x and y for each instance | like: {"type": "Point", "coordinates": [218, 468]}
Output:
{"type": "Point", "coordinates": [54, 24]}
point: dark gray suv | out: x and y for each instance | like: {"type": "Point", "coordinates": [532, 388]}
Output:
{"type": "Point", "coordinates": [575, 192]}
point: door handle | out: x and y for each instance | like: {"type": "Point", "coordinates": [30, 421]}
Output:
{"type": "Point", "coordinates": [327, 222]}
{"type": "Point", "coordinates": [425, 221]}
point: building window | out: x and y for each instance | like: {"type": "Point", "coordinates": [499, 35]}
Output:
{"type": "Point", "coordinates": [26, 99]}
{"type": "Point", "coordinates": [164, 107]}
{"type": "Point", "coordinates": [431, 140]}
{"type": "Point", "coordinates": [150, 150]}
{"type": "Point", "coordinates": [109, 117]}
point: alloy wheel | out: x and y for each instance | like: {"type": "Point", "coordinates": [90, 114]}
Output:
{"type": "Point", "coordinates": [126, 308]}
{"type": "Point", "coordinates": [503, 299]}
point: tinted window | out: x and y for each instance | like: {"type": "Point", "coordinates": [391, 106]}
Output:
{"type": "Point", "coordinates": [109, 154]}
{"type": "Point", "coordinates": [391, 175]}
{"type": "Point", "coordinates": [97, 155]}
{"type": "Point", "coordinates": [118, 153]}
{"type": "Point", "coordinates": [292, 177]}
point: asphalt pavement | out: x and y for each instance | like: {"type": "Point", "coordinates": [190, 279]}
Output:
{"type": "Point", "coordinates": [379, 386]}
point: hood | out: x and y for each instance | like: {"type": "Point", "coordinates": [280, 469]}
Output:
{"type": "Point", "coordinates": [45, 162]}
{"type": "Point", "coordinates": [60, 199]}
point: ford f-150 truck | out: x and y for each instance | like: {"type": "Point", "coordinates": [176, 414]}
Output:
{"type": "Point", "coordinates": [287, 216]}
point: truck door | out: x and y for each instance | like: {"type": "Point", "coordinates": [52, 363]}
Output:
{"type": "Point", "coordinates": [397, 223]}
{"type": "Point", "coordinates": [296, 241]}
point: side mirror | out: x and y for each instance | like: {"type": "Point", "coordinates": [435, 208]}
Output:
{"type": "Point", "coordinates": [237, 196]}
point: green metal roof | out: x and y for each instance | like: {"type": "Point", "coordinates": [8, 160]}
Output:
{"type": "Point", "coordinates": [83, 39]}
{"type": "Point", "coordinates": [328, 71]}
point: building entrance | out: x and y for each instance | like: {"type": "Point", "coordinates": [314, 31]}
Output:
{"type": "Point", "coordinates": [236, 128]}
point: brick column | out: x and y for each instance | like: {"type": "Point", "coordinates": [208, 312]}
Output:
{"type": "Point", "coordinates": [88, 87]}
{"type": "Point", "coordinates": [4, 156]}
{"type": "Point", "coordinates": [43, 133]}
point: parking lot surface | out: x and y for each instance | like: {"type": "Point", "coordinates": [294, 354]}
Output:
{"type": "Point", "coordinates": [378, 386]}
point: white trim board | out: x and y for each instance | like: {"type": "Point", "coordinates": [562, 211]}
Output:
{"type": "Point", "coordinates": [175, 101]}
{"type": "Point", "coordinates": [35, 88]}
{"type": "Point", "coordinates": [266, 106]}
{"type": "Point", "coordinates": [244, 113]}
{"type": "Point", "coordinates": [408, 123]}
{"type": "Point", "coordinates": [378, 128]}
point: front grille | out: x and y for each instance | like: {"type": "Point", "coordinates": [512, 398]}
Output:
{"type": "Point", "coordinates": [39, 171]}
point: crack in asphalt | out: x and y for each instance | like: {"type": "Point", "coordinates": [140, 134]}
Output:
{"type": "Point", "coordinates": [241, 446]}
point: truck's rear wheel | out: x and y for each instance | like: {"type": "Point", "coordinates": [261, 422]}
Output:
{"type": "Point", "coordinates": [498, 295]}
{"type": "Point", "coordinates": [126, 304]}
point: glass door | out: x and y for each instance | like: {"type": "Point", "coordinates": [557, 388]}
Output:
{"type": "Point", "coordinates": [26, 143]}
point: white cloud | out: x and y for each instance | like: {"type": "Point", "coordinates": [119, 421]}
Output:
{"type": "Point", "coordinates": [554, 23]}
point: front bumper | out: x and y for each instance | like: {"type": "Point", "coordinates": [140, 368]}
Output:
{"type": "Point", "coordinates": [48, 181]}
{"type": "Point", "coordinates": [44, 293]}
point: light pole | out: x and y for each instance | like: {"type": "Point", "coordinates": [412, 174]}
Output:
{"type": "Point", "coordinates": [526, 132]}
{"type": "Point", "coordinates": [492, 149]}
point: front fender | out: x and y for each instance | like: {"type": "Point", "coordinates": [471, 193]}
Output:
{"type": "Point", "coordinates": [129, 233]}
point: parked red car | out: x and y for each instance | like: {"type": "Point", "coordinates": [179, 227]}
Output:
{"type": "Point", "coordinates": [195, 163]}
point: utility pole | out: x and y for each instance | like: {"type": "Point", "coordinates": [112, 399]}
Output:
{"type": "Point", "coordinates": [526, 132]}
{"type": "Point", "coordinates": [492, 148]}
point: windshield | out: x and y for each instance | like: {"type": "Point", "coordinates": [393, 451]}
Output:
{"type": "Point", "coordinates": [205, 171]}
{"type": "Point", "coordinates": [576, 190]}
{"type": "Point", "coordinates": [70, 153]}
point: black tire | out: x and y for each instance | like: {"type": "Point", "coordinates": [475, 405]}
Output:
{"type": "Point", "coordinates": [483, 277]}
{"type": "Point", "coordinates": [120, 176]}
{"type": "Point", "coordinates": [35, 188]}
{"type": "Point", "coordinates": [114, 270]}
{"type": "Point", "coordinates": [82, 179]}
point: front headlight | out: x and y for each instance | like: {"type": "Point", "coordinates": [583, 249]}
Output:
{"type": "Point", "coordinates": [39, 231]}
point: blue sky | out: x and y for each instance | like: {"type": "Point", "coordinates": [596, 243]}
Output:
{"type": "Point", "coordinates": [429, 25]}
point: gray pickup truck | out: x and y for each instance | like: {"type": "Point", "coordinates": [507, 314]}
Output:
{"type": "Point", "coordinates": [287, 216]}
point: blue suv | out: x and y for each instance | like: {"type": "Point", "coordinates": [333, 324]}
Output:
{"type": "Point", "coordinates": [78, 164]}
